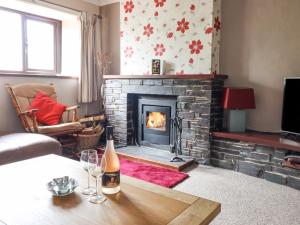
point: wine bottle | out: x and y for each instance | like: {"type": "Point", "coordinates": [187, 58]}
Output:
{"type": "Point", "coordinates": [111, 175]}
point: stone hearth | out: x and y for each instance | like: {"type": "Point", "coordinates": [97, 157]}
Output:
{"type": "Point", "coordinates": [198, 104]}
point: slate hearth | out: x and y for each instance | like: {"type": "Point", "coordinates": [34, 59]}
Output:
{"type": "Point", "coordinates": [198, 104]}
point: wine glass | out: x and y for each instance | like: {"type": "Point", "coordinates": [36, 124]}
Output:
{"type": "Point", "coordinates": [97, 167]}
{"type": "Point", "coordinates": [84, 160]}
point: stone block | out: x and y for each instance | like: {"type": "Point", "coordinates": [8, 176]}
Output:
{"type": "Point", "coordinates": [202, 100]}
{"type": "Point", "coordinates": [179, 90]}
{"type": "Point", "coordinates": [202, 137]}
{"type": "Point", "coordinates": [135, 82]}
{"type": "Point", "coordinates": [117, 90]}
{"type": "Point", "coordinates": [186, 115]}
{"type": "Point", "coordinates": [233, 157]}
{"type": "Point", "coordinates": [168, 82]}
{"type": "Point", "coordinates": [280, 153]}
{"type": "Point", "coordinates": [222, 143]}
{"type": "Point", "coordinates": [293, 182]}
{"type": "Point", "coordinates": [264, 149]}
{"type": "Point", "coordinates": [225, 164]}
{"type": "Point", "coordinates": [206, 87]}
{"type": "Point", "coordinates": [226, 150]}
{"type": "Point", "coordinates": [186, 82]}
{"type": "Point", "coordinates": [114, 85]}
{"type": "Point", "coordinates": [188, 134]}
{"type": "Point", "coordinates": [240, 146]}
{"type": "Point", "coordinates": [260, 156]}
{"type": "Point", "coordinates": [108, 91]}
{"type": "Point", "coordinates": [276, 161]}
{"type": "Point", "coordinates": [251, 168]}
{"type": "Point", "coordinates": [286, 171]}
{"type": "Point", "coordinates": [206, 94]}
{"type": "Point", "coordinates": [149, 82]}
{"type": "Point", "coordinates": [200, 108]}
{"type": "Point", "coordinates": [186, 123]}
{"type": "Point", "coordinates": [186, 99]}
{"type": "Point", "coordinates": [184, 106]}
{"type": "Point", "coordinates": [217, 155]}
{"type": "Point", "coordinates": [275, 177]}
{"type": "Point", "coordinates": [124, 81]}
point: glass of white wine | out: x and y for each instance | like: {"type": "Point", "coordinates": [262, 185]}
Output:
{"type": "Point", "coordinates": [97, 166]}
{"type": "Point", "coordinates": [84, 161]}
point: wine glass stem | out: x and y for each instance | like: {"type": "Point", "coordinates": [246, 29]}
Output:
{"type": "Point", "coordinates": [88, 178]}
{"type": "Point", "coordinates": [97, 180]}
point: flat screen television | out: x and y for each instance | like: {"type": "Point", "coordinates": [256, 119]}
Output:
{"type": "Point", "coordinates": [290, 122]}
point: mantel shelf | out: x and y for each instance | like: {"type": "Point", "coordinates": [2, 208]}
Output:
{"type": "Point", "coordinates": [183, 77]}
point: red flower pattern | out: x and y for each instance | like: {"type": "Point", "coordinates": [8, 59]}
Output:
{"type": "Point", "coordinates": [217, 24]}
{"type": "Point", "coordinates": [128, 52]}
{"type": "Point", "coordinates": [159, 49]}
{"type": "Point", "coordinates": [148, 30]}
{"type": "Point", "coordinates": [208, 30]}
{"type": "Point", "coordinates": [196, 47]}
{"type": "Point", "coordinates": [159, 3]}
{"type": "Point", "coordinates": [170, 35]}
{"type": "Point", "coordinates": [182, 25]}
{"type": "Point", "coordinates": [129, 6]}
{"type": "Point", "coordinates": [187, 20]}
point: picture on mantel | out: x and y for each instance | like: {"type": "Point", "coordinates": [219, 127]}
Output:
{"type": "Point", "coordinates": [183, 34]}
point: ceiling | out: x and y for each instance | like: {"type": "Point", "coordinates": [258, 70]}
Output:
{"type": "Point", "coordinates": [101, 2]}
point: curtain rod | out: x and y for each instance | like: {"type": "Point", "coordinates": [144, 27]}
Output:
{"type": "Point", "coordinates": [51, 3]}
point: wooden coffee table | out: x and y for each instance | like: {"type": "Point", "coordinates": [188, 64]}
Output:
{"type": "Point", "coordinates": [24, 199]}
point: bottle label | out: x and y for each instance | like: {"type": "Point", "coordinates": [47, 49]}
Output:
{"type": "Point", "coordinates": [111, 179]}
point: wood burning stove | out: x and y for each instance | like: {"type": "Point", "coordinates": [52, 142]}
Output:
{"type": "Point", "coordinates": [154, 117]}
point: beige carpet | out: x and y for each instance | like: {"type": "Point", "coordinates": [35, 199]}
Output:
{"type": "Point", "coordinates": [245, 200]}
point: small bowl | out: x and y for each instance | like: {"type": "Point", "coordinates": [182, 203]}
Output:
{"type": "Point", "coordinates": [62, 186]}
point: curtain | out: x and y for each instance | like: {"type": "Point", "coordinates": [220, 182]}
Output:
{"type": "Point", "coordinates": [90, 78]}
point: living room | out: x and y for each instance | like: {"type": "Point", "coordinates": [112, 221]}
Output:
{"type": "Point", "coordinates": [200, 93]}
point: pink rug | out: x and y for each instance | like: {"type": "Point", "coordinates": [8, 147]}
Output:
{"type": "Point", "coordinates": [150, 173]}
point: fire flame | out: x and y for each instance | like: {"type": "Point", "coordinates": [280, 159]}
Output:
{"type": "Point", "coordinates": [156, 120]}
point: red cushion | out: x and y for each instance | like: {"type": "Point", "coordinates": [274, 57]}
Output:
{"type": "Point", "coordinates": [49, 111]}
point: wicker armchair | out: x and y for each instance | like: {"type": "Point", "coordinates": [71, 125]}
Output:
{"type": "Point", "coordinates": [23, 94]}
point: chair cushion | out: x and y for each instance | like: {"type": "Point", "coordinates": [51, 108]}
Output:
{"type": "Point", "coordinates": [49, 111]}
{"type": "Point", "coordinates": [59, 128]}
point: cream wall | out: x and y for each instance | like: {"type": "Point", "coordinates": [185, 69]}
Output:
{"type": "Point", "coordinates": [111, 34]}
{"type": "Point", "coordinates": [260, 45]}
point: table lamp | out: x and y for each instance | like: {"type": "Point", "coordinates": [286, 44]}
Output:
{"type": "Point", "coordinates": [235, 101]}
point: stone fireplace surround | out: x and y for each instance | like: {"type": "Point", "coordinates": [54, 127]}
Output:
{"type": "Point", "coordinates": [198, 104]}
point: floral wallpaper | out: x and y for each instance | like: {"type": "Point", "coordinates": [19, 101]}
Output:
{"type": "Point", "coordinates": [184, 34]}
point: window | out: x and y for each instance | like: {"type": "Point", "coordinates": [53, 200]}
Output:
{"type": "Point", "coordinates": [29, 43]}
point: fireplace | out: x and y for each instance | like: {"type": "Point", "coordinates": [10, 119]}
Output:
{"type": "Point", "coordinates": [154, 116]}
{"type": "Point", "coordinates": [196, 99]}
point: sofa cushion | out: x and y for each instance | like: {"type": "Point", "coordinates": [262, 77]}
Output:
{"type": "Point", "coordinates": [21, 146]}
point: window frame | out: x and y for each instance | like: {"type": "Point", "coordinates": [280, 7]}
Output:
{"type": "Point", "coordinates": [57, 32]}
